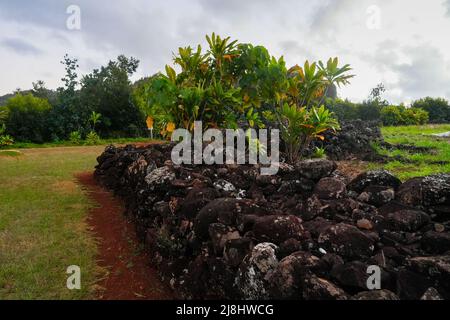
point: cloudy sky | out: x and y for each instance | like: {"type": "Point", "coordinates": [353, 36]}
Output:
{"type": "Point", "coordinates": [402, 43]}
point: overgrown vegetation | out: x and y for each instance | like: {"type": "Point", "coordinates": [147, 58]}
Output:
{"type": "Point", "coordinates": [234, 84]}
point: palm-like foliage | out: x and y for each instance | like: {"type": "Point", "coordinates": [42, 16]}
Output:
{"type": "Point", "coordinates": [234, 81]}
{"type": "Point", "coordinates": [300, 126]}
{"type": "Point", "coordinates": [3, 114]}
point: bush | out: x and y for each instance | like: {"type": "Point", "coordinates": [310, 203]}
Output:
{"type": "Point", "coordinates": [415, 116]}
{"type": "Point", "coordinates": [27, 118]}
{"type": "Point", "coordinates": [392, 116]}
{"type": "Point", "coordinates": [5, 140]}
{"type": "Point", "coordinates": [399, 115]}
{"type": "Point", "coordinates": [75, 137]}
{"type": "Point", "coordinates": [92, 139]}
{"type": "Point", "coordinates": [300, 126]}
{"type": "Point", "coordinates": [343, 109]}
{"type": "Point", "coordinates": [438, 109]}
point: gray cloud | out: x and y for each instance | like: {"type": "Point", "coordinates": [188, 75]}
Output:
{"type": "Point", "coordinates": [297, 29]}
{"type": "Point", "coordinates": [447, 4]}
{"type": "Point", "coordinates": [20, 46]}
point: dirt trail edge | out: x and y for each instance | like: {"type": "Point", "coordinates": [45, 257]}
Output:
{"type": "Point", "coordinates": [129, 276]}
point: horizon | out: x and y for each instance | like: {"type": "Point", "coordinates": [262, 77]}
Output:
{"type": "Point", "coordinates": [402, 46]}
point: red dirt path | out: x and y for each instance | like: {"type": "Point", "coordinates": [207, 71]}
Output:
{"type": "Point", "coordinates": [129, 276]}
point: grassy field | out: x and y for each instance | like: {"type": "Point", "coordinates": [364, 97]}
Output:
{"type": "Point", "coordinates": [418, 163]}
{"type": "Point", "coordinates": [42, 223]}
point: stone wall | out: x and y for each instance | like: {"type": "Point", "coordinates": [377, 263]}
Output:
{"type": "Point", "coordinates": [309, 233]}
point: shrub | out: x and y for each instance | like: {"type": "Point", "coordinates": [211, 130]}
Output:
{"type": "Point", "coordinates": [5, 140]}
{"type": "Point", "coordinates": [300, 126]}
{"type": "Point", "coordinates": [438, 109]}
{"type": "Point", "coordinates": [392, 115]}
{"type": "Point", "coordinates": [75, 137]}
{"type": "Point", "coordinates": [92, 139]}
{"type": "Point", "coordinates": [399, 115]}
{"type": "Point", "coordinates": [343, 109]}
{"type": "Point", "coordinates": [415, 116]}
{"type": "Point", "coordinates": [319, 153]}
{"type": "Point", "coordinates": [27, 118]}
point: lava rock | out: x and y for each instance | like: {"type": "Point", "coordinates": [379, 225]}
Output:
{"type": "Point", "coordinates": [315, 169]}
{"type": "Point", "coordinates": [222, 210]}
{"type": "Point", "coordinates": [252, 279]}
{"type": "Point", "coordinates": [431, 294]}
{"type": "Point", "coordinates": [220, 234]}
{"type": "Point", "coordinates": [195, 200]}
{"type": "Point", "coordinates": [330, 188]}
{"type": "Point", "coordinates": [436, 242]}
{"type": "Point", "coordinates": [315, 288]}
{"type": "Point", "coordinates": [347, 241]}
{"type": "Point", "coordinates": [286, 279]}
{"type": "Point", "coordinates": [406, 220]}
{"type": "Point", "coordinates": [160, 176]}
{"type": "Point", "coordinates": [376, 177]}
{"type": "Point", "coordinates": [411, 285]}
{"type": "Point", "coordinates": [236, 250]}
{"type": "Point", "coordinates": [351, 275]}
{"type": "Point", "coordinates": [377, 195]}
{"type": "Point", "coordinates": [278, 228]}
{"type": "Point", "coordinates": [376, 295]}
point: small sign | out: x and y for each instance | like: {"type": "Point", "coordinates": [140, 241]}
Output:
{"type": "Point", "coordinates": [150, 123]}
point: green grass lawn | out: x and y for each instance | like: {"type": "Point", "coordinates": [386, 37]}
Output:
{"type": "Point", "coordinates": [42, 223]}
{"type": "Point", "coordinates": [434, 161]}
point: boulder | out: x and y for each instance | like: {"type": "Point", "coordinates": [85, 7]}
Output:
{"type": "Point", "coordinates": [315, 288]}
{"type": "Point", "coordinates": [411, 285]}
{"type": "Point", "coordinates": [376, 295]}
{"type": "Point", "coordinates": [195, 200]}
{"type": "Point", "coordinates": [286, 279]}
{"type": "Point", "coordinates": [377, 195]}
{"type": "Point", "coordinates": [431, 294]}
{"type": "Point", "coordinates": [278, 228]}
{"type": "Point", "coordinates": [376, 177]}
{"type": "Point", "coordinates": [406, 220]}
{"type": "Point", "coordinates": [252, 278]}
{"type": "Point", "coordinates": [220, 234]}
{"type": "Point", "coordinates": [428, 191]}
{"type": "Point", "coordinates": [351, 275]}
{"type": "Point", "coordinates": [346, 241]}
{"type": "Point", "coordinates": [159, 177]}
{"type": "Point", "coordinates": [315, 169]}
{"type": "Point", "coordinates": [436, 242]}
{"type": "Point", "coordinates": [222, 210]}
{"type": "Point", "coordinates": [236, 250]}
{"type": "Point", "coordinates": [330, 188]}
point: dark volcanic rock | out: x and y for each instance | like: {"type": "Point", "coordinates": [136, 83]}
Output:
{"type": "Point", "coordinates": [330, 188]}
{"type": "Point", "coordinates": [376, 295]}
{"type": "Point", "coordinates": [227, 232]}
{"type": "Point", "coordinates": [278, 228]}
{"type": "Point", "coordinates": [236, 249]}
{"type": "Point", "coordinates": [195, 200]}
{"type": "Point", "coordinates": [377, 177]}
{"type": "Point", "coordinates": [436, 242]}
{"type": "Point", "coordinates": [352, 274]}
{"type": "Point", "coordinates": [223, 210]}
{"type": "Point", "coordinates": [315, 169]}
{"type": "Point", "coordinates": [347, 241]}
{"type": "Point", "coordinates": [253, 274]}
{"type": "Point", "coordinates": [377, 195]}
{"type": "Point", "coordinates": [406, 220]}
{"type": "Point", "coordinates": [287, 277]}
{"type": "Point", "coordinates": [315, 288]}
